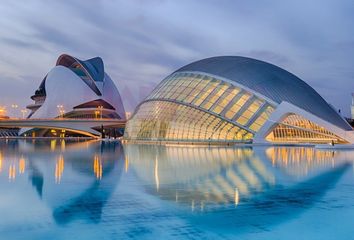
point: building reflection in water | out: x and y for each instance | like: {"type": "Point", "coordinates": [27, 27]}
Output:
{"type": "Point", "coordinates": [22, 165]}
{"type": "Point", "coordinates": [12, 172]}
{"type": "Point", "coordinates": [248, 183]}
{"type": "Point", "coordinates": [199, 176]}
{"type": "Point", "coordinates": [59, 168]}
{"type": "Point", "coordinates": [300, 161]}
{"type": "Point", "coordinates": [223, 186]}
{"type": "Point", "coordinates": [97, 166]}
{"type": "Point", "coordinates": [75, 179]}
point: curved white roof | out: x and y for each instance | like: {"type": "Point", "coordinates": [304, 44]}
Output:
{"type": "Point", "coordinates": [270, 81]}
{"type": "Point", "coordinates": [73, 82]}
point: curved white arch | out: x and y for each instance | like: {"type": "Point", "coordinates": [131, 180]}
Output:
{"type": "Point", "coordinates": [90, 82]}
{"type": "Point", "coordinates": [285, 109]}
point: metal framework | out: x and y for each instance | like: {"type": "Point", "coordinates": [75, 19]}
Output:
{"type": "Point", "coordinates": [232, 109]}
{"type": "Point", "coordinates": [236, 99]}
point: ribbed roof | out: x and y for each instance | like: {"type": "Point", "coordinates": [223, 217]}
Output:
{"type": "Point", "coordinates": [270, 81]}
{"type": "Point", "coordinates": [93, 68]}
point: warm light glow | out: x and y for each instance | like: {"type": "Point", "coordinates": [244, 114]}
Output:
{"type": "Point", "coordinates": [61, 110]}
{"type": "Point", "coordinates": [202, 108]}
{"type": "Point", "coordinates": [299, 161]}
{"type": "Point", "coordinates": [157, 181]}
{"type": "Point", "coordinates": [296, 129]}
{"type": "Point", "coordinates": [59, 168]}
{"type": "Point", "coordinates": [96, 113]}
{"type": "Point", "coordinates": [100, 108]}
{"type": "Point", "coordinates": [62, 145]}
{"type": "Point", "coordinates": [12, 172]}
{"type": "Point", "coordinates": [210, 174]}
{"type": "Point", "coordinates": [126, 163]}
{"type": "Point", "coordinates": [2, 110]}
{"type": "Point", "coordinates": [53, 144]}
{"type": "Point", "coordinates": [237, 197]}
{"type": "Point", "coordinates": [21, 165]}
{"type": "Point", "coordinates": [97, 167]}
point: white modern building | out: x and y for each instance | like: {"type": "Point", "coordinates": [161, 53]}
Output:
{"type": "Point", "coordinates": [236, 99]}
{"type": "Point", "coordinates": [75, 89]}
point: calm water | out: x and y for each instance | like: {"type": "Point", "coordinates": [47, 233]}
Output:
{"type": "Point", "coordinates": [93, 190]}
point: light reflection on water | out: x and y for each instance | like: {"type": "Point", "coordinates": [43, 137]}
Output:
{"type": "Point", "coordinates": [98, 189]}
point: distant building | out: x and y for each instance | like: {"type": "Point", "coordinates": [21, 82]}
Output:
{"type": "Point", "coordinates": [75, 89]}
{"type": "Point", "coordinates": [236, 99]}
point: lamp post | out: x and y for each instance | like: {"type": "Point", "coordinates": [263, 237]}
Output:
{"type": "Point", "coordinates": [14, 106]}
{"type": "Point", "coordinates": [23, 111]}
{"type": "Point", "coordinates": [61, 110]}
{"type": "Point", "coordinates": [100, 108]}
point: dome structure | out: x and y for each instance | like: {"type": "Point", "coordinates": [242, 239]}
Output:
{"type": "Point", "coordinates": [76, 89]}
{"type": "Point", "coordinates": [236, 99]}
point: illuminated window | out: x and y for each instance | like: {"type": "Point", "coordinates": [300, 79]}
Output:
{"type": "Point", "coordinates": [237, 105]}
{"type": "Point", "coordinates": [206, 91]}
{"type": "Point", "coordinates": [249, 112]}
{"type": "Point", "coordinates": [225, 99]}
{"type": "Point", "coordinates": [158, 120]}
{"type": "Point", "coordinates": [295, 128]}
{"type": "Point", "coordinates": [258, 123]}
{"type": "Point", "coordinates": [215, 96]}
{"type": "Point", "coordinates": [193, 106]}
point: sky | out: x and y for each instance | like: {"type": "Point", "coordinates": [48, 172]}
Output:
{"type": "Point", "coordinates": [143, 41]}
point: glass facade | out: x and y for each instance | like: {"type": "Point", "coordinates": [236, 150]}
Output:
{"type": "Point", "coordinates": [195, 107]}
{"type": "Point", "coordinates": [230, 175]}
{"type": "Point", "coordinates": [295, 128]}
{"type": "Point", "coordinates": [232, 99]}
{"type": "Point", "coordinates": [190, 106]}
{"type": "Point", "coordinates": [160, 120]}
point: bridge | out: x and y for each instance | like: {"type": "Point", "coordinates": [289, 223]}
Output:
{"type": "Point", "coordinates": [87, 127]}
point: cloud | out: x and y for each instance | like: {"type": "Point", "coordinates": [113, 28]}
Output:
{"type": "Point", "coordinates": [141, 42]}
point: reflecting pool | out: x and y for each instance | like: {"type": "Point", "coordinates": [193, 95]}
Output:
{"type": "Point", "coordinates": [105, 190]}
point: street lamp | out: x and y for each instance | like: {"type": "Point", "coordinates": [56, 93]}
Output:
{"type": "Point", "coordinates": [14, 106]}
{"type": "Point", "coordinates": [61, 110]}
{"type": "Point", "coordinates": [23, 111]}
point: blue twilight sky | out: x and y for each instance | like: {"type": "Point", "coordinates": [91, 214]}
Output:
{"type": "Point", "coordinates": [142, 41]}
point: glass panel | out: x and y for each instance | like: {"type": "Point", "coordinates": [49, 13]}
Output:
{"type": "Point", "coordinates": [225, 99]}
{"type": "Point", "coordinates": [197, 89]}
{"type": "Point", "coordinates": [216, 95]}
{"type": "Point", "coordinates": [262, 118]}
{"type": "Point", "coordinates": [295, 128]}
{"type": "Point", "coordinates": [206, 91]}
{"type": "Point", "coordinates": [237, 106]}
{"type": "Point", "coordinates": [158, 120]}
{"type": "Point", "coordinates": [249, 112]}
